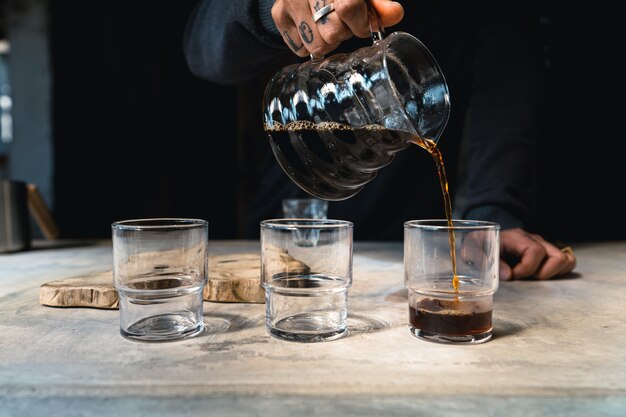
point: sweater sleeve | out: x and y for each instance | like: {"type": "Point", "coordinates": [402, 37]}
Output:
{"type": "Point", "coordinates": [498, 179]}
{"type": "Point", "coordinates": [228, 42]}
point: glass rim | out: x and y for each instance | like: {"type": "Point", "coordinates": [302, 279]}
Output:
{"type": "Point", "coordinates": [457, 224]}
{"type": "Point", "coordinates": [159, 223]}
{"type": "Point", "coordinates": [291, 223]}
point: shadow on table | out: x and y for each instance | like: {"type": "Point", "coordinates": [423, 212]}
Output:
{"type": "Point", "coordinates": [225, 322]}
{"type": "Point", "coordinates": [218, 323]}
{"type": "Point", "coordinates": [505, 328]}
{"type": "Point", "coordinates": [361, 323]}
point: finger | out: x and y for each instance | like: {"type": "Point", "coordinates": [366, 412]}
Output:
{"type": "Point", "coordinates": [287, 28]}
{"type": "Point", "coordinates": [555, 262]}
{"type": "Point", "coordinates": [530, 252]}
{"type": "Point", "coordinates": [353, 14]}
{"type": "Point", "coordinates": [294, 20]}
{"type": "Point", "coordinates": [331, 27]}
{"type": "Point", "coordinates": [311, 38]}
{"type": "Point", "coordinates": [570, 265]}
{"type": "Point", "coordinates": [292, 39]}
{"type": "Point", "coordinates": [570, 260]}
{"type": "Point", "coordinates": [475, 248]}
{"type": "Point", "coordinates": [389, 12]}
{"type": "Point", "coordinates": [505, 271]}
{"type": "Point", "coordinates": [560, 261]}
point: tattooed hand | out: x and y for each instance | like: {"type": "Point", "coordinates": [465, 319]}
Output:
{"type": "Point", "coordinates": [294, 20]}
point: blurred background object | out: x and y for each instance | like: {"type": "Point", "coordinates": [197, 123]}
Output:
{"type": "Point", "coordinates": [98, 108]}
{"type": "Point", "coordinates": [6, 120]}
{"type": "Point", "coordinates": [305, 208]}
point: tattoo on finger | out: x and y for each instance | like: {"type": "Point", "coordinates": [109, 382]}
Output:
{"type": "Point", "coordinates": [306, 32]}
{"type": "Point", "coordinates": [294, 47]}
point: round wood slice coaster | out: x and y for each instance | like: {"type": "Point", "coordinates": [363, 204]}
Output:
{"type": "Point", "coordinates": [236, 278]}
{"type": "Point", "coordinates": [91, 290]}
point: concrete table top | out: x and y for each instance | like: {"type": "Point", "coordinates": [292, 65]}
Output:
{"type": "Point", "coordinates": [559, 349]}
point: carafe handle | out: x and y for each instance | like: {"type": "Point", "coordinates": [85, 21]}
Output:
{"type": "Point", "coordinates": [376, 28]}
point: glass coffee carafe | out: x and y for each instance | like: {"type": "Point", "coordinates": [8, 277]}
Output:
{"type": "Point", "coordinates": [334, 122]}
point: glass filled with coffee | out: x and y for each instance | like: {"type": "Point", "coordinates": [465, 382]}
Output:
{"type": "Point", "coordinates": [451, 273]}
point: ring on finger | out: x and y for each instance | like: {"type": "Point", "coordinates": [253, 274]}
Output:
{"type": "Point", "coordinates": [323, 12]}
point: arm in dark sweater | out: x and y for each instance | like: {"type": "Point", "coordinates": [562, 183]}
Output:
{"type": "Point", "coordinates": [228, 41]}
{"type": "Point", "coordinates": [499, 180]}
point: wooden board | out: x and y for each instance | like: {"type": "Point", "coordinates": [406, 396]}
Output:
{"type": "Point", "coordinates": [237, 278]}
{"type": "Point", "coordinates": [91, 290]}
{"type": "Point", "coordinates": [233, 278]}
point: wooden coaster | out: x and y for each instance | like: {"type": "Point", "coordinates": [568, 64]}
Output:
{"type": "Point", "coordinates": [233, 278]}
{"type": "Point", "coordinates": [91, 290]}
{"type": "Point", "coordinates": [237, 278]}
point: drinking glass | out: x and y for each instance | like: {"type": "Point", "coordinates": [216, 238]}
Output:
{"type": "Point", "coordinates": [306, 287]}
{"type": "Point", "coordinates": [445, 306]}
{"type": "Point", "coordinates": [160, 270]}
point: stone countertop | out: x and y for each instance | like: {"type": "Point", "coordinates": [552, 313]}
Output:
{"type": "Point", "coordinates": [559, 349]}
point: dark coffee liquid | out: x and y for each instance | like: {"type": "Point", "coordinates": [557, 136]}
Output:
{"type": "Point", "coordinates": [450, 317]}
{"type": "Point", "coordinates": [333, 161]}
{"type": "Point", "coordinates": [434, 151]}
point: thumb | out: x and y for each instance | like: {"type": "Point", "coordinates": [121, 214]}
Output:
{"type": "Point", "coordinates": [506, 274]}
{"type": "Point", "coordinates": [390, 12]}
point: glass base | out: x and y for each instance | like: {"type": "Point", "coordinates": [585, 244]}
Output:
{"type": "Point", "coordinates": [163, 328]}
{"type": "Point", "coordinates": [311, 309]}
{"type": "Point", "coordinates": [160, 315]}
{"type": "Point", "coordinates": [469, 339]}
{"type": "Point", "coordinates": [305, 328]}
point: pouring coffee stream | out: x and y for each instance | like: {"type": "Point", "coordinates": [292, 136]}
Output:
{"type": "Point", "coordinates": [334, 122]}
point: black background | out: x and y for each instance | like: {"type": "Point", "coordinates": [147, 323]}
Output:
{"type": "Point", "coordinates": [137, 135]}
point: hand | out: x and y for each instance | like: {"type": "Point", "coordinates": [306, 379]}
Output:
{"type": "Point", "coordinates": [294, 20]}
{"type": "Point", "coordinates": [535, 257]}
